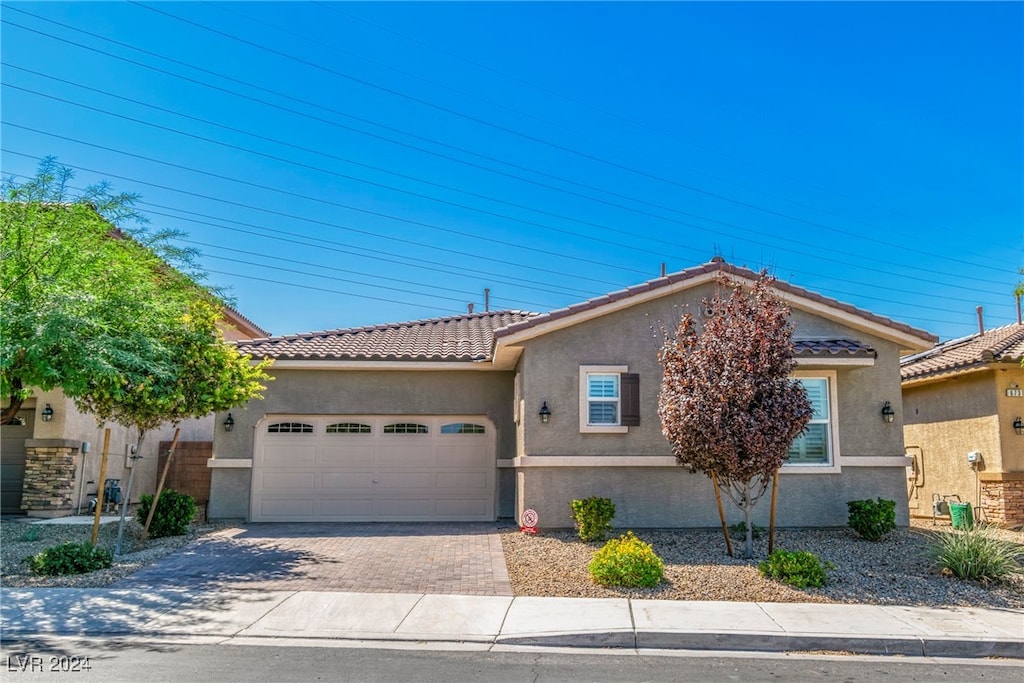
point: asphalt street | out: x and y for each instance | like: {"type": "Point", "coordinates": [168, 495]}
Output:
{"type": "Point", "coordinates": [110, 661]}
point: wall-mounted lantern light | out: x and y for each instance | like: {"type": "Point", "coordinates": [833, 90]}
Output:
{"type": "Point", "coordinates": [229, 423]}
{"type": "Point", "coordinates": [545, 413]}
{"type": "Point", "coordinates": [47, 413]}
{"type": "Point", "coordinates": [1018, 426]}
{"type": "Point", "coordinates": [888, 414]}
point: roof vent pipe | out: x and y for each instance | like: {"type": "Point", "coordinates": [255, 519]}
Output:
{"type": "Point", "coordinates": [487, 299]}
{"type": "Point", "coordinates": [1017, 297]}
{"type": "Point", "coordinates": [981, 321]}
{"type": "Point", "coordinates": [663, 270]}
{"type": "Point", "coordinates": [470, 309]}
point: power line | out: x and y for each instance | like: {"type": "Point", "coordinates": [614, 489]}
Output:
{"type": "Point", "coordinates": [461, 161]}
{"type": "Point", "coordinates": [532, 138]}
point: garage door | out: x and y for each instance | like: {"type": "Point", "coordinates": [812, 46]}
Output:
{"type": "Point", "coordinates": [353, 468]}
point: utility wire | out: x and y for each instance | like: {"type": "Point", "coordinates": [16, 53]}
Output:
{"type": "Point", "coordinates": [526, 136]}
{"type": "Point", "coordinates": [332, 123]}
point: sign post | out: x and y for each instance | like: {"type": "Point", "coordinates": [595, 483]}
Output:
{"type": "Point", "coordinates": [528, 522]}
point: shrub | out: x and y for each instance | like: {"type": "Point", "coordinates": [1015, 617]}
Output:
{"type": "Point", "coordinates": [626, 561]}
{"type": "Point", "coordinates": [593, 517]}
{"type": "Point", "coordinates": [173, 515]}
{"type": "Point", "coordinates": [739, 530]}
{"type": "Point", "coordinates": [797, 568]}
{"type": "Point", "coordinates": [872, 519]}
{"type": "Point", "coordinates": [70, 558]}
{"type": "Point", "coordinates": [976, 555]}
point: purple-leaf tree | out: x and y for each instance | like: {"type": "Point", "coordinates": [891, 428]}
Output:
{"type": "Point", "coordinates": [728, 405]}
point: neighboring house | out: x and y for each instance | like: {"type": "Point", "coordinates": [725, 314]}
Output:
{"type": "Point", "coordinates": [44, 473]}
{"type": "Point", "coordinates": [964, 397]}
{"type": "Point", "coordinates": [484, 415]}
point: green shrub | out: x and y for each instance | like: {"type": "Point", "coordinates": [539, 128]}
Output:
{"type": "Point", "coordinates": [593, 517]}
{"type": "Point", "coordinates": [798, 568]}
{"type": "Point", "coordinates": [872, 519]}
{"type": "Point", "coordinates": [976, 554]}
{"type": "Point", "coordinates": [626, 561]}
{"type": "Point", "coordinates": [739, 530]}
{"type": "Point", "coordinates": [173, 515]}
{"type": "Point", "coordinates": [70, 558]}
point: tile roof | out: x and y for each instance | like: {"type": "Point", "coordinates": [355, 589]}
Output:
{"type": "Point", "coordinates": [458, 338]}
{"type": "Point", "coordinates": [1000, 345]}
{"type": "Point", "coordinates": [832, 348]}
{"type": "Point", "coordinates": [715, 265]}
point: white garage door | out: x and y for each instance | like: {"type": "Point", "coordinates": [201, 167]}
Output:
{"type": "Point", "coordinates": [355, 468]}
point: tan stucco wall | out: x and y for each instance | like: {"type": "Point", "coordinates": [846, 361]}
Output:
{"type": "Point", "coordinates": [70, 423]}
{"type": "Point", "coordinates": [329, 392]}
{"type": "Point", "coordinates": [550, 372]}
{"type": "Point", "coordinates": [672, 497]}
{"type": "Point", "coordinates": [949, 418]}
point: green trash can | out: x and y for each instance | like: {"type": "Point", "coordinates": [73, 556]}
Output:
{"type": "Point", "coordinates": [962, 515]}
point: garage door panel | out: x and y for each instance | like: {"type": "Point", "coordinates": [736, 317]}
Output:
{"type": "Point", "coordinates": [345, 481]}
{"type": "Point", "coordinates": [287, 456]}
{"type": "Point", "coordinates": [343, 509]}
{"type": "Point", "coordinates": [338, 471]}
{"type": "Point", "coordinates": [286, 509]}
{"type": "Point", "coordinates": [462, 481]}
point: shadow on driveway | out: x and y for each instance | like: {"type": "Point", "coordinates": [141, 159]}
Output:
{"type": "Point", "coordinates": [457, 558]}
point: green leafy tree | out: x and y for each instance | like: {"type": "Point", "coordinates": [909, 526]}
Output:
{"type": "Point", "coordinates": [728, 405]}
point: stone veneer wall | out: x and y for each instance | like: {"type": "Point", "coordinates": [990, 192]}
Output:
{"type": "Point", "coordinates": [1002, 500]}
{"type": "Point", "coordinates": [48, 489]}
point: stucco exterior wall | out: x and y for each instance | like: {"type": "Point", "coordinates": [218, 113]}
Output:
{"type": "Point", "coordinates": [949, 418]}
{"type": "Point", "coordinates": [339, 392]}
{"type": "Point", "coordinates": [652, 497]}
{"type": "Point", "coordinates": [550, 372]}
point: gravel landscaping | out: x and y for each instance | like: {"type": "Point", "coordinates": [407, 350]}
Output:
{"type": "Point", "coordinates": [894, 571]}
{"type": "Point", "coordinates": [554, 563]}
{"type": "Point", "coordinates": [20, 540]}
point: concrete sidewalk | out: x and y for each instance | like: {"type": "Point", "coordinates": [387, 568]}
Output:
{"type": "Point", "coordinates": [573, 622]}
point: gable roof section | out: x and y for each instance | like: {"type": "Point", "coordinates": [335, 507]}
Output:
{"type": "Point", "coordinates": [908, 337]}
{"type": "Point", "coordinates": [967, 354]}
{"type": "Point", "coordinates": [465, 338]}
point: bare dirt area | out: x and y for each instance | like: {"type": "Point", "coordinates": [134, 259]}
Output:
{"type": "Point", "coordinates": [894, 571]}
{"type": "Point", "coordinates": [20, 540]}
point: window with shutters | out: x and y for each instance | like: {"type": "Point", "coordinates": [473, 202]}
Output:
{"type": "Point", "coordinates": [601, 399]}
{"type": "Point", "coordinates": [816, 445]}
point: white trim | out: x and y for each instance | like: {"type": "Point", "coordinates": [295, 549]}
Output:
{"type": "Point", "coordinates": [585, 371]}
{"type": "Point", "coordinates": [877, 461]}
{"type": "Point", "coordinates": [380, 365]}
{"type": "Point", "coordinates": [829, 362]}
{"type": "Point", "coordinates": [834, 465]}
{"type": "Point", "coordinates": [595, 461]}
{"type": "Point", "coordinates": [229, 463]}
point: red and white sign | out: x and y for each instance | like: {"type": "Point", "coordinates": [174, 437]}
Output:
{"type": "Point", "coordinates": [528, 522]}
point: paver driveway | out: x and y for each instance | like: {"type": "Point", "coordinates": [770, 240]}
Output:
{"type": "Point", "coordinates": [463, 558]}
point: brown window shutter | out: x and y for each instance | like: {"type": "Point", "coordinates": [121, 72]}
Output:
{"type": "Point", "coordinates": [630, 401]}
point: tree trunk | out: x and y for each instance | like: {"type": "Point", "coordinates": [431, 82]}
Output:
{"type": "Point", "coordinates": [160, 486]}
{"type": "Point", "coordinates": [721, 514]}
{"type": "Point", "coordinates": [99, 493]}
{"type": "Point", "coordinates": [11, 411]}
{"type": "Point", "coordinates": [747, 521]}
{"type": "Point", "coordinates": [771, 518]}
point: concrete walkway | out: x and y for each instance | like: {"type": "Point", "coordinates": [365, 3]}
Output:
{"type": "Point", "coordinates": [258, 616]}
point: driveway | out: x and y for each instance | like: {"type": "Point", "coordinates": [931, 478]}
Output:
{"type": "Point", "coordinates": [459, 558]}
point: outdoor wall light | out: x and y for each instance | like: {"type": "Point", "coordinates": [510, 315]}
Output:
{"type": "Point", "coordinates": [47, 413]}
{"type": "Point", "coordinates": [229, 423]}
{"type": "Point", "coordinates": [545, 413]}
{"type": "Point", "coordinates": [888, 414]}
{"type": "Point", "coordinates": [1018, 426]}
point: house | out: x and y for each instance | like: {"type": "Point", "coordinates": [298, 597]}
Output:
{"type": "Point", "coordinates": [44, 471]}
{"type": "Point", "coordinates": [964, 424]}
{"type": "Point", "coordinates": [485, 415]}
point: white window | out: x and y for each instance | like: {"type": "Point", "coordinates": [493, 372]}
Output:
{"type": "Point", "coordinates": [816, 445]}
{"type": "Point", "coordinates": [601, 398]}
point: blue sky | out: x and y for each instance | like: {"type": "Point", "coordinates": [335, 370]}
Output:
{"type": "Point", "coordinates": [344, 164]}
